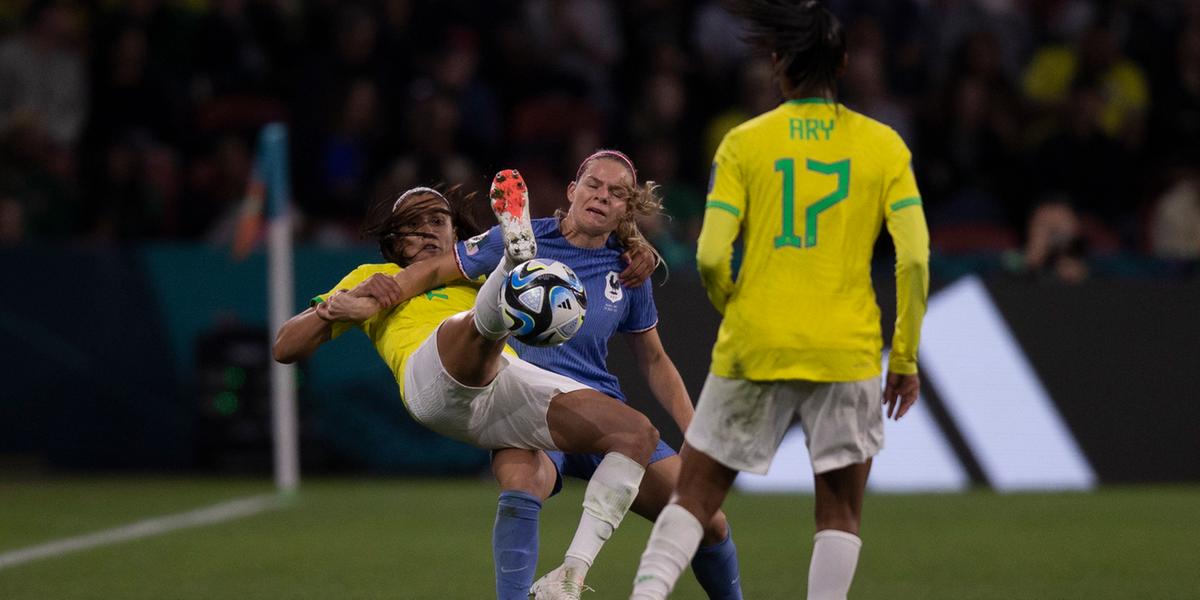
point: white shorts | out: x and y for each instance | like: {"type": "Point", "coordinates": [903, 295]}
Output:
{"type": "Point", "coordinates": [740, 423]}
{"type": "Point", "coordinates": [509, 412]}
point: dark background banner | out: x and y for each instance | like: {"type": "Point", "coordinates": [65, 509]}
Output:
{"type": "Point", "coordinates": [149, 368]}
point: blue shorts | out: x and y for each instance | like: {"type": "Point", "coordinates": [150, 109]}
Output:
{"type": "Point", "coordinates": [581, 466]}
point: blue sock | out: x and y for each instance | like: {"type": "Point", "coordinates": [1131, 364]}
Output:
{"type": "Point", "coordinates": [716, 568]}
{"type": "Point", "coordinates": [515, 544]}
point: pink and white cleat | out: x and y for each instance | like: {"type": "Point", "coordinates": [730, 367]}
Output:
{"type": "Point", "coordinates": [510, 203]}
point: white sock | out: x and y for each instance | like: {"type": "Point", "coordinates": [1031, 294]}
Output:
{"type": "Point", "coordinates": [673, 543]}
{"type": "Point", "coordinates": [608, 497]}
{"type": "Point", "coordinates": [835, 554]}
{"type": "Point", "coordinates": [489, 321]}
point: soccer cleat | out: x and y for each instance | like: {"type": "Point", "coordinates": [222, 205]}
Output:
{"type": "Point", "coordinates": [559, 584]}
{"type": "Point", "coordinates": [510, 203]}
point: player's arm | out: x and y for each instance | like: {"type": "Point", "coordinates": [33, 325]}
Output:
{"type": "Point", "coordinates": [723, 213]}
{"type": "Point", "coordinates": [302, 334]}
{"type": "Point", "coordinates": [640, 262]}
{"type": "Point", "coordinates": [661, 375]}
{"type": "Point", "coordinates": [416, 279]}
{"type": "Point", "coordinates": [356, 298]}
{"type": "Point", "coordinates": [910, 234]}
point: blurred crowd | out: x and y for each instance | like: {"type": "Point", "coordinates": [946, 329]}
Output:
{"type": "Point", "coordinates": [1054, 130]}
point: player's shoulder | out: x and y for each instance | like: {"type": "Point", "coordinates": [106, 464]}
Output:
{"type": "Point", "coordinates": [875, 137]}
{"type": "Point", "coordinates": [871, 127]}
{"type": "Point", "coordinates": [545, 226]}
{"type": "Point", "coordinates": [753, 125]}
{"type": "Point", "coordinates": [364, 271]}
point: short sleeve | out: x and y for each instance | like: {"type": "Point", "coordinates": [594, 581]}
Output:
{"type": "Point", "coordinates": [479, 255]}
{"type": "Point", "coordinates": [643, 314]}
{"type": "Point", "coordinates": [355, 277]}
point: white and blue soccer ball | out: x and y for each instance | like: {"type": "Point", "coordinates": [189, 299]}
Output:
{"type": "Point", "coordinates": [543, 302]}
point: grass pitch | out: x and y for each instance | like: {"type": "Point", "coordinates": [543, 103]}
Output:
{"type": "Point", "coordinates": [400, 538]}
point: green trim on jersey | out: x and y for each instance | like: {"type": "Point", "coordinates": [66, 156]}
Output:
{"type": "Point", "coordinates": [905, 203]}
{"type": "Point", "coordinates": [315, 300]}
{"type": "Point", "coordinates": [724, 206]}
{"type": "Point", "coordinates": [810, 101]}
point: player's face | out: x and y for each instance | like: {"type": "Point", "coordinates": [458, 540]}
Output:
{"type": "Point", "coordinates": [428, 235]}
{"type": "Point", "coordinates": [599, 199]}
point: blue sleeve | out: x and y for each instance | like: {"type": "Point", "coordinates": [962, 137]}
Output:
{"type": "Point", "coordinates": [480, 254]}
{"type": "Point", "coordinates": [643, 315]}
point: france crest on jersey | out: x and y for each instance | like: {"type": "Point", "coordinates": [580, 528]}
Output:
{"type": "Point", "coordinates": [612, 308]}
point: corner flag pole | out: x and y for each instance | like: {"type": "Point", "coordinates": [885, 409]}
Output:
{"type": "Point", "coordinates": [273, 162]}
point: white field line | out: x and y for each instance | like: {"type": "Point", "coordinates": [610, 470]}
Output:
{"type": "Point", "coordinates": [217, 513]}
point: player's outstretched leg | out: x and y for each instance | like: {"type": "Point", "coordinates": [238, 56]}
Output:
{"type": "Point", "coordinates": [607, 499]}
{"type": "Point", "coordinates": [510, 202]}
{"type": "Point", "coordinates": [586, 421]}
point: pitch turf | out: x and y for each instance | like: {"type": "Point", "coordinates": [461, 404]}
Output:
{"type": "Point", "coordinates": [345, 539]}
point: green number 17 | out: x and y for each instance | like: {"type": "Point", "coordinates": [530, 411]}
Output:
{"type": "Point", "coordinates": [787, 166]}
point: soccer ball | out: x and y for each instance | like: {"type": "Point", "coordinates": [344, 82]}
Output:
{"type": "Point", "coordinates": [543, 302]}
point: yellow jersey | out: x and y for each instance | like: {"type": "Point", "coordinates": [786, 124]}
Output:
{"type": "Point", "coordinates": [398, 331]}
{"type": "Point", "coordinates": [807, 186]}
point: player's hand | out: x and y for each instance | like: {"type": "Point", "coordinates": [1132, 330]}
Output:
{"type": "Point", "coordinates": [900, 393]}
{"type": "Point", "coordinates": [384, 289]}
{"type": "Point", "coordinates": [345, 306]}
{"type": "Point", "coordinates": [641, 264]}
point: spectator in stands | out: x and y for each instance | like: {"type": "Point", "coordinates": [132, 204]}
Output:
{"type": "Point", "coordinates": [456, 73]}
{"type": "Point", "coordinates": [756, 96]}
{"type": "Point", "coordinates": [717, 35]}
{"type": "Point", "coordinates": [864, 86]}
{"type": "Point", "coordinates": [351, 151]}
{"type": "Point", "coordinates": [1175, 115]}
{"type": "Point", "coordinates": [673, 231]}
{"type": "Point", "coordinates": [1090, 169]}
{"type": "Point", "coordinates": [42, 87]}
{"type": "Point", "coordinates": [1055, 245]}
{"type": "Point", "coordinates": [1175, 220]}
{"type": "Point", "coordinates": [1054, 71]}
{"type": "Point", "coordinates": [239, 49]}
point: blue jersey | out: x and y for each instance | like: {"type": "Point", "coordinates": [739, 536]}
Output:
{"type": "Point", "coordinates": [611, 306]}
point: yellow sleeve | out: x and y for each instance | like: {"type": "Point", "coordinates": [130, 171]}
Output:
{"type": "Point", "coordinates": [724, 210]}
{"type": "Point", "coordinates": [348, 282]}
{"type": "Point", "coordinates": [906, 224]}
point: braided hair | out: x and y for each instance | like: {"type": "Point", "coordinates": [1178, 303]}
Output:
{"type": "Point", "coordinates": [807, 40]}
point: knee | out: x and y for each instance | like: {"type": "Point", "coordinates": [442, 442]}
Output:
{"type": "Point", "coordinates": [639, 441]}
{"type": "Point", "coordinates": [538, 483]}
{"type": "Point", "coordinates": [716, 530]}
{"type": "Point", "coordinates": [647, 437]}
